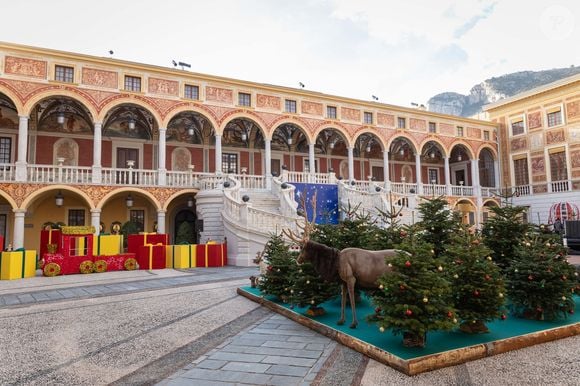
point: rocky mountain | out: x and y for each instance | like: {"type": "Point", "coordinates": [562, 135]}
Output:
{"type": "Point", "coordinates": [494, 89]}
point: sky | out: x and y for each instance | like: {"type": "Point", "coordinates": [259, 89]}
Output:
{"type": "Point", "coordinates": [400, 51]}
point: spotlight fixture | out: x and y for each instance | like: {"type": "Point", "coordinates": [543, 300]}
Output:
{"type": "Point", "coordinates": [459, 157]}
{"type": "Point", "coordinates": [289, 139]}
{"type": "Point", "coordinates": [174, 63]}
{"type": "Point", "coordinates": [183, 65]}
{"type": "Point", "coordinates": [190, 131]}
{"type": "Point", "coordinates": [60, 118]}
{"type": "Point", "coordinates": [301, 84]}
{"type": "Point", "coordinates": [111, 52]}
{"type": "Point", "coordinates": [59, 199]}
{"type": "Point", "coordinates": [131, 124]}
{"type": "Point", "coordinates": [129, 201]}
{"type": "Point", "coordinates": [375, 97]}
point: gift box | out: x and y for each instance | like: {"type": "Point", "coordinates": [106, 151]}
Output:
{"type": "Point", "coordinates": [211, 255]}
{"type": "Point", "coordinates": [50, 236]}
{"type": "Point", "coordinates": [108, 245]}
{"type": "Point", "coordinates": [180, 256]}
{"type": "Point", "coordinates": [134, 242]}
{"type": "Point", "coordinates": [1, 243]}
{"type": "Point", "coordinates": [152, 256]}
{"type": "Point", "coordinates": [17, 265]}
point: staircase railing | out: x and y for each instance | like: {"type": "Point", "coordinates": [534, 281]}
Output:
{"type": "Point", "coordinates": [288, 205]}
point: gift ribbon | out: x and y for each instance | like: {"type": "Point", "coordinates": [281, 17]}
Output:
{"type": "Point", "coordinates": [206, 254]}
{"type": "Point", "coordinates": [23, 263]}
{"type": "Point", "coordinates": [189, 247]}
{"type": "Point", "coordinates": [151, 253]}
{"type": "Point", "coordinates": [223, 254]}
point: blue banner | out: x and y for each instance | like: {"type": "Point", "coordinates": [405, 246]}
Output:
{"type": "Point", "coordinates": [326, 201]}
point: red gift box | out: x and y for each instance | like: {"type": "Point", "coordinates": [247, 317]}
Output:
{"type": "Point", "coordinates": [1, 243]}
{"type": "Point", "coordinates": [115, 262]}
{"type": "Point", "coordinates": [66, 265]}
{"type": "Point", "coordinates": [211, 255]}
{"type": "Point", "coordinates": [135, 242]}
{"type": "Point", "coordinates": [151, 256]}
{"type": "Point", "coordinates": [50, 236]}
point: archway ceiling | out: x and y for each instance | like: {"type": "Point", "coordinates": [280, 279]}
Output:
{"type": "Point", "coordinates": [235, 131]}
{"type": "Point", "coordinates": [178, 127]}
{"type": "Point", "coordinates": [289, 130]}
{"type": "Point", "coordinates": [116, 123]}
{"type": "Point", "coordinates": [77, 116]}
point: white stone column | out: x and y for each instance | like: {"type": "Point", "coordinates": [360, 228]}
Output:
{"type": "Point", "coordinates": [311, 159]}
{"type": "Point", "coordinates": [218, 153]}
{"type": "Point", "coordinates": [447, 176]}
{"type": "Point", "coordinates": [496, 174]}
{"type": "Point", "coordinates": [21, 161]}
{"type": "Point", "coordinates": [268, 162]}
{"type": "Point", "coordinates": [18, 237]}
{"type": "Point", "coordinates": [96, 220]}
{"type": "Point", "coordinates": [161, 151]}
{"type": "Point", "coordinates": [160, 221]}
{"type": "Point", "coordinates": [386, 171]}
{"type": "Point", "coordinates": [418, 173]}
{"type": "Point", "coordinates": [350, 163]}
{"type": "Point", "coordinates": [97, 150]}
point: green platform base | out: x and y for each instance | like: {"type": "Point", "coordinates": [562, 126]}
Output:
{"type": "Point", "coordinates": [442, 349]}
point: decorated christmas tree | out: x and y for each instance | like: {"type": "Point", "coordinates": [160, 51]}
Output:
{"type": "Point", "coordinates": [437, 223]}
{"type": "Point", "coordinates": [309, 289]}
{"type": "Point", "coordinates": [478, 286]}
{"type": "Point", "coordinates": [504, 229]}
{"type": "Point", "coordinates": [281, 264]}
{"type": "Point", "coordinates": [414, 297]}
{"type": "Point", "coordinates": [540, 280]}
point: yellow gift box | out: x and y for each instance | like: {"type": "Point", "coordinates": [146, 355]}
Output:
{"type": "Point", "coordinates": [17, 265]}
{"type": "Point", "coordinates": [108, 245]}
{"type": "Point", "coordinates": [180, 256]}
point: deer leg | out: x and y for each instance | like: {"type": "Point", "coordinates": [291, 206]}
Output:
{"type": "Point", "coordinates": [350, 284]}
{"type": "Point", "coordinates": [342, 303]}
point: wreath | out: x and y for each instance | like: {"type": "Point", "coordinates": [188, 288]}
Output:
{"type": "Point", "coordinates": [130, 264]}
{"type": "Point", "coordinates": [87, 266]}
{"type": "Point", "coordinates": [51, 269]}
{"type": "Point", "coordinates": [100, 266]}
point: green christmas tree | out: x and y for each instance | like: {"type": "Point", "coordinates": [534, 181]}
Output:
{"type": "Point", "coordinates": [184, 234]}
{"type": "Point", "coordinates": [437, 223]}
{"type": "Point", "coordinates": [414, 297]}
{"type": "Point", "coordinates": [478, 286]}
{"type": "Point", "coordinates": [281, 264]}
{"type": "Point", "coordinates": [309, 289]}
{"type": "Point", "coordinates": [503, 230]}
{"type": "Point", "coordinates": [540, 280]}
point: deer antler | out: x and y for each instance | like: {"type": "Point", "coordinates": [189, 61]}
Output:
{"type": "Point", "coordinates": [308, 226]}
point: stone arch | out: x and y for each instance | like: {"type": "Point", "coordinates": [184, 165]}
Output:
{"type": "Point", "coordinates": [9, 199]}
{"type": "Point", "coordinates": [68, 149]}
{"type": "Point", "coordinates": [14, 98]}
{"type": "Point", "coordinates": [192, 108]}
{"type": "Point", "coordinates": [294, 121]}
{"type": "Point", "coordinates": [132, 101]}
{"type": "Point", "coordinates": [242, 114]}
{"type": "Point", "coordinates": [332, 126]}
{"type": "Point", "coordinates": [152, 199]}
{"type": "Point", "coordinates": [180, 159]}
{"type": "Point", "coordinates": [179, 193]}
{"type": "Point", "coordinates": [487, 147]}
{"type": "Point", "coordinates": [69, 188]}
{"type": "Point", "coordinates": [368, 131]}
{"type": "Point", "coordinates": [410, 140]}
{"type": "Point", "coordinates": [465, 145]}
{"type": "Point", "coordinates": [86, 103]}
{"type": "Point", "coordinates": [438, 141]}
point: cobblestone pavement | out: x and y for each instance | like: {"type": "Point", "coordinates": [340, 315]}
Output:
{"type": "Point", "coordinates": [189, 327]}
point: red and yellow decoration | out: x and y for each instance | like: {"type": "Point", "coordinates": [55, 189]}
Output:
{"type": "Point", "coordinates": [100, 266]}
{"type": "Point", "coordinates": [51, 269]}
{"type": "Point", "coordinates": [130, 264]}
{"type": "Point", "coordinates": [17, 264]}
{"type": "Point", "coordinates": [196, 255]}
{"type": "Point", "coordinates": [108, 245]}
{"type": "Point", "coordinates": [87, 266]}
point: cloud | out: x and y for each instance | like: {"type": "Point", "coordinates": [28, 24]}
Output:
{"type": "Point", "coordinates": [473, 21]}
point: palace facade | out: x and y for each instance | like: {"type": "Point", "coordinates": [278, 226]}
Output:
{"type": "Point", "coordinates": [90, 140]}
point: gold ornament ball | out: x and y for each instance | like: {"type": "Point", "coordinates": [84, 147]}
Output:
{"type": "Point", "coordinates": [440, 268]}
{"type": "Point", "coordinates": [389, 265]}
{"type": "Point", "coordinates": [425, 300]}
{"type": "Point", "coordinates": [516, 270]}
{"type": "Point", "coordinates": [563, 297]}
{"type": "Point", "coordinates": [528, 244]}
{"type": "Point", "coordinates": [312, 302]}
{"type": "Point", "coordinates": [291, 291]}
{"type": "Point", "coordinates": [489, 258]}
{"type": "Point", "coordinates": [307, 281]}
{"type": "Point", "coordinates": [500, 295]}
{"type": "Point", "coordinates": [381, 286]}
{"type": "Point", "coordinates": [456, 276]}
{"type": "Point", "coordinates": [547, 244]}
{"type": "Point", "coordinates": [381, 329]}
{"type": "Point", "coordinates": [432, 251]}
{"type": "Point", "coordinates": [454, 320]}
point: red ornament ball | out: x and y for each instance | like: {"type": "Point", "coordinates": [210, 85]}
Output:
{"type": "Point", "coordinates": [407, 263]}
{"type": "Point", "coordinates": [476, 293]}
{"type": "Point", "coordinates": [503, 317]}
{"type": "Point", "coordinates": [377, 310]}
{"type": "Point", "coordinates": [476, 242]}
{"type": "Point", "coordinates": [487, 277]}
{"type": "Point", "coordinates": [402, 287]}
{"type": "Point", "coordinates": [270, 268]}
{"type": "Point", "coordinates": [408, 312]}
{"type": "Point", "coordinates": [403, 234]}
{"type": "Point", "coordinates": [571, 312]}
{"type": "Point", "coordinates": [530, 278]}
{"type": "Point", "coordinates": [449, 314]}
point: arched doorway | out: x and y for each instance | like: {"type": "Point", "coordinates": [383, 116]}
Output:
{"type": "Point", "coordinates": [185, 227]}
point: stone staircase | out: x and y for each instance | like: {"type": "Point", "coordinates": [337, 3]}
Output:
{"type": "Point", "coordinates": [262, 200]}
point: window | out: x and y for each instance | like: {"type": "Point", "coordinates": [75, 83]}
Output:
{"type": "Point", "coordinates": [554, 118]}
{"type": "Point", "coordinates": [76, 217]}
{"type": "Point", "coordinates": [368, 118]}
{"type": "Point", "coordinates": [558, 169]}
{"type": "Point", "coordinates": [401, 123]}
{"type": "Point", "coordinates": [486, 135]}
{"type": "Point", "coordinates": [64, 74]}
{"type": "Point", "coordinates": [137, 216]}
{"type": "Point", "coordinates": [306, 165]}
{"type": "Point", "coordinates": [191, 92]}
{"type": "Point", "coordinates": [432, 127]}
{"type": "Point", "coordinates": [521, 171]}
{"type": "Point", "coordinates": [229, 162]}
{"type": "Point", "coordinates": [244, 99]}
{"type": "Point", "coordinates": [132, 83]}
{"type": "Point", "coordinates": [518, 127]}
{"type": "Point", "coordinates": [331, 112]}
{"type": "Point", "coordinates": [433, 176]}
{"type": "Point", "coordinates": [459, 131]}
{"type": "Point", "coordinates": [5, 150]}
{"type": "Point", "coordinates": [290, 106]}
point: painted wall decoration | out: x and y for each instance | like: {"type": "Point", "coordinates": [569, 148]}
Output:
{"type": "Point", "coordinates": [535, 120]}
{"type": "Point", "coordinates": [27, 67]}
{"type": "Point", "coordinates": [163, 86]}
{"type": "Point", "coordinates": [72, 124]}
{"type": "Point", "coordinates": [446, 128]}
{"type": "Point", "coordinates": [387, 120]}
{"type": "Point", "coordinates": [68, 149]}
{"type": "Point", "coordinates": [417, 124]}
{"type": "Point", "coordinates": [8, 118]}
{"type": "Point", "coordinates": [219, 94]}
{"type": "Point", "coordinates": [311, 108]}
{"type": "Point", "coordinates": [180, 159]}
{"type": "Point", "coordinates": [472, 132]}
{"type": "Point", "coordinates": [100, 78]}
{"type": "Point", "coordinates": [350, 114]}
{"type": "Point", "coordinates": [575, 158]}
{"type": "Point", "coordinates": [120, 128]}
{"type": "Point", "coordinates": [573, 110]}
{"type": "Point", "coordinates": [268, 101]}
{"type": "Point", "coordinates": [555, 136]}
{"type": "Point", "coordinates": [536, 141]}
{"type": "Point", "coordinates": [518, 144]}
{"type": "Point", "coordinates": [538, 165]}
{"type": "Point", "coordinates": [326, 201]}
